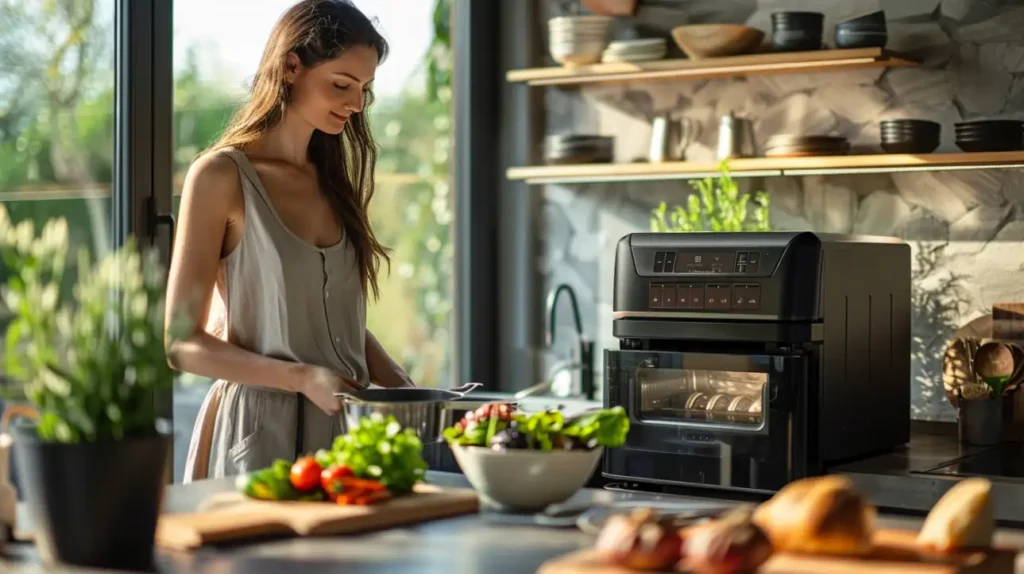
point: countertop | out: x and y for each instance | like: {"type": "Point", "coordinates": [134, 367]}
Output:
{"type": "Point", "coordinates": [915, 477]}
{"type": "Point", "coordinates": [471, 544]}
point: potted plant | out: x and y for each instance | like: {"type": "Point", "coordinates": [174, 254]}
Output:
{"type": "Point", "coordinates": [92, 466]}
{"type": "Point", "coordinates": [717, 206]}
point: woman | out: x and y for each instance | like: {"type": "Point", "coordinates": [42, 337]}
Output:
{"type": "Point", "coordinates": [273, 220]}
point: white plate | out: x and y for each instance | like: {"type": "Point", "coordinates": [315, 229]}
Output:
{"type": "Point", "coordinates": [642, 44]}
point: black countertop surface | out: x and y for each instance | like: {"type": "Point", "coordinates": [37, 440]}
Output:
{"type": "Point", "coordinates": [906, 480]}
{"type": "Point", "coordinates": [915, 477]}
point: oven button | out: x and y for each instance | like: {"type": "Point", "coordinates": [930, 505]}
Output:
{"type": "Point", "coordinates": [753, 260]}
{"type": "Point", "coordinates": [696, 297]}
{"type": "Point", "coordinates": [655, 297]}
{"type": "Point", "coordinates": [741, 267]}
{"type": "Point", "coordinates": [659, 261]}
{"type": "Point", "coordinates": [741, 258]}
{"type": "Point", "coordinates": [670, 262]}
{"type": "Point", "coordinates": [668, 296]}
{"type": "Point", "coordinates": [718, 297]}
{"type": "Point", "coordinates": [747, 297]}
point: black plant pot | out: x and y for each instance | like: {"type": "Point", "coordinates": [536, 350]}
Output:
{"type": "Point", "coordinates": [93, 504]}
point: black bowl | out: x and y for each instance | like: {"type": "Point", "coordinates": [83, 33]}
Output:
{"type": "Point", "coordinates": [910, 146]}
{"type": "Point", "coordinates": [990, 124]}
{"type": "Point", "coordinates": [915, 130]}
{"type": "Point", "coordinates": [902, 122]}
{"type": "Point", "coordinates": [982, 145]}
{"type": "Point", "coordinates": [872, 20]}
{"type": "Point", "coordinates": [850, 39]}
{"type": "Point", "coordinates": [803, 18]}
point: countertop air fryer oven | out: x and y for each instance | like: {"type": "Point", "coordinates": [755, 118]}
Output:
{"type": "Point", "coordinates": [748, 360]}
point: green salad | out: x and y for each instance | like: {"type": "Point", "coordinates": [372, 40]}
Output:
{"type": "Point", "coordinates": [501, 427]}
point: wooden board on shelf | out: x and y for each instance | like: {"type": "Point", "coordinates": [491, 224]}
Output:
{"type": "Point", "coordinates": [774, 166]}
{"type": "Point", "coordinates": [731, 66]}
{"type": "Point", "coordinates": [893, 555]}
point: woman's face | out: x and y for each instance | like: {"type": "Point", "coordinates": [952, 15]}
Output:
{"type": "Point", "coordinates": [326, 95]}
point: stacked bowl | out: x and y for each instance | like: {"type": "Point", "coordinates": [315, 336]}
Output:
{"type": "Point", "coordinates": [578, 40]}
{"type": "Point", "coordinates": [794, 145]}
{"type": "Point", "coordinates": [578, 148]}
{"type": "Point", "coordinates": [910, 136]}
{"type": "Point", "coordinates": [640, 50]}
{"type": "Point", "coordinates": [868, 31]}
{"type": "Point", "coordinates": [797, 31]}
{"type": "Point", "coordinates": [990, 135]}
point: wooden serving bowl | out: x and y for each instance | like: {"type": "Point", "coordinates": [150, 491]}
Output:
{"type": "Point", "coordinates": [700, 41]}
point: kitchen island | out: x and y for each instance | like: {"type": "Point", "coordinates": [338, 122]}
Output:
{"type": "Point", "coordinates": [484, 542]}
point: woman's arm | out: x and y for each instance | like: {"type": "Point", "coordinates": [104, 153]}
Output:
{"type": "Point", "coordinates": [383, 369]}
{"type": "Point", "coordinates": [211, 193]}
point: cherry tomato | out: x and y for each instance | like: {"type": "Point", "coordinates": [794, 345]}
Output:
{"type": "Point", "coordinates": [305, 474]}
{"type": "Point", "coordinates": [331, 480]}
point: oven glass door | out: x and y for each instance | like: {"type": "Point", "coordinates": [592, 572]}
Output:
{"type": "Point", "coordinates": [733, 421]}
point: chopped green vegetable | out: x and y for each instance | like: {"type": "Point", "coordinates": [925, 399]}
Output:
{"type": "Point", "coordinates": [273, 483]}
{"type": "Point", "coordinates": [546, 430]}
{"type": "Point", "coordinates": [380, 449]}
{"type": "Point", "coordinates": [606, 427]}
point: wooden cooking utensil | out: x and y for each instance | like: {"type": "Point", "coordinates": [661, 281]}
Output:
{"type": "Point", "coordinates": [994, 365]}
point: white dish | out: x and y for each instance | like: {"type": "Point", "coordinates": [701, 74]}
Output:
{"type": "Point", "coordinates": [526, 480]}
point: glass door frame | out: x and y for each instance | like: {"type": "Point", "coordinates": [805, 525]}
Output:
{"type": "Point", "coordinates": [143, 140]}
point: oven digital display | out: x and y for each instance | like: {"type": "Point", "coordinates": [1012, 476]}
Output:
{"type": "Point", "coordinates": [699, 262]}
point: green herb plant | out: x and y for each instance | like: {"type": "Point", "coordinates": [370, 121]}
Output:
{"type": "Point", "coordinates": [379, 449]}
{"type": "Point", "coordinates": [90, 367]}
{"type": "Point", "coordinates": [718, 205]}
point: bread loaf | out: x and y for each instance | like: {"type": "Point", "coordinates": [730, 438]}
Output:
{"type": "Point", "coordinates": [962, 518]}
{"type": "Point", "coordinates": [821, 515]}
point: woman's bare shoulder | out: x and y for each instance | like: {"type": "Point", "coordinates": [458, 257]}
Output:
{"type": "Point", "coordinates": [212, 179]}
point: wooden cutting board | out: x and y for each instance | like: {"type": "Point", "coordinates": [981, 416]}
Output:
{"type": "Point", "coordinates": [894, 554]}
{"type": "Point", "coordinates": [238, 518]}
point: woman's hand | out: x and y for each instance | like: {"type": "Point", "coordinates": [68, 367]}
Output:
{"type": "Point", "coordinates": [320, 384]}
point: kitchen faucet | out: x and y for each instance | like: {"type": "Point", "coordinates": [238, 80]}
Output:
{"type": "Point", "coordinates": [586, 347]}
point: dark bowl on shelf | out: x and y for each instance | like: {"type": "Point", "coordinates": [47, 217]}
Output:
{"type": "Point", "coordinates": [916, 124]}
{"type": "Point", "coordinates": [912, 145]}
{"type": "Point", "coordinates": [799, 19]}
{"type": "Point", "coordinates": [873, 20]}
{"type": "Point", "coordinates": [990, 124]}
{"type": "Point", "coordinates": [990, 144]}
{"type": "Point", "coordinates": [796, 41]}
{"type": "Point", "coordinates": [850, 39]}
{"type": "Point", "coordinates": [900, 132]}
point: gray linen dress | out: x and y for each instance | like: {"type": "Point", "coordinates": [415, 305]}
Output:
{"type": "Point", "coordinates": [288, 299]}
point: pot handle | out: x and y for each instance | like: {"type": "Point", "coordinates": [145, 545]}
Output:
{"type": "Point", "coordinates": [463, 390]}
{"type": "Point", "coordinates": [349, 397]}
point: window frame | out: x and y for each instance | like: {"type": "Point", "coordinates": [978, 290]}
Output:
{"type": "Point", "coordinates": [143, 137]}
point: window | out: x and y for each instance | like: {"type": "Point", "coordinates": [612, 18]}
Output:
{"type": "Point", "coordinates": [57, 119]}
{"type": "Point", "coordinates": [217, 50]}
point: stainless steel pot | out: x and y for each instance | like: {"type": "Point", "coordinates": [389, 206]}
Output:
{"type": "Point", "coordinates": [418, 409]}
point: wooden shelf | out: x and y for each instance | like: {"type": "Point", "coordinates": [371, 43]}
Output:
{"type": "Point", "coordinates": [767, 167]}
{"type": "Point", "coordinates": [685, 69]}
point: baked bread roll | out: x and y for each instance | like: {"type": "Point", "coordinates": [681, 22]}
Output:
{"type": "Point", "coordinates": [962, 518]}
{"type": "Point", "coordinates": [821, 515]}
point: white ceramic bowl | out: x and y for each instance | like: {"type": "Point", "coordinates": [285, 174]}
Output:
{"type": "Point", "coordinates": [526, 480]}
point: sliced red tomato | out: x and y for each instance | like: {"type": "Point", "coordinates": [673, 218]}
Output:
{"type": "Point", "coordinates": [305, 474]}
{"type": "Point", "coordinates": [331, 480]}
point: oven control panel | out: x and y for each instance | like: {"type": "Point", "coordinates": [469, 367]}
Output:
{"type": "Point", "coordinates": [751, 262]}
{"type": "Point", "coordinates": [705, 296]}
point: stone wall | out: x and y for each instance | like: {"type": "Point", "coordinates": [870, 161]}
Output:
{"type": "Point", "coordinates": [966, 228]}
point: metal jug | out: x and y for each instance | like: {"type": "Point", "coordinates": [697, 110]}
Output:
{"type": "Point", "coordinates": [735, 138]}
{"type": "Point", "coordinates": [670, 138]}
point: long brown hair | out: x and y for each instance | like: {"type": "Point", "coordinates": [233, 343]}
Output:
{"type": "Point", "coordinates": [317, 31]}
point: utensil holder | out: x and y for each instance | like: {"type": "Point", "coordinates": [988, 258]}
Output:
{"type": "Point", "coordinates": [980, 421]}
